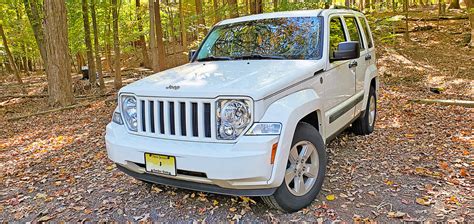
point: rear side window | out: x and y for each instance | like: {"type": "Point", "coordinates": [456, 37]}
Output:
{"type": "Point", "coordinates": [354, 30]}
{"type": "Point", "coordinates": [363, 21]}
{"type": "Point", "coordinates": [336, 35]}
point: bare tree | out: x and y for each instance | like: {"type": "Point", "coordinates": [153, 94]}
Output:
{"type": "Point", "coordinates": [33, 13]}
{"type": "Point", "coordinates": [159, 37]}
{"type": "Point", "coordinates": [454, 4]}
{"type": "Point", "coordinates": [87, 40]}
{"type": "Point", "coordinates": [470, 9]}
{"type": "Point", "coordinates": [234, 8]}
{"type": "Point", "coordinates": [182, 27]}
{"type": "Point", "coordinates": [118, 76]}
{"type": "Point", "coordinates": [98, 60]}
{"type": "Point", "coordinates": [199, 13]}
{"type": "Point", "coordinates": [217, 15]}
{"type": "Point", "coordinates": [146, 60]}
{"type": "Point", "coordinates": [10, 58]}
{"type": "Point", "coordinates": [153, 47]}
{"type": "Point", "coordinates": [57, 53]}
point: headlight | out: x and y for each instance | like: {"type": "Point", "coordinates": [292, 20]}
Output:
{"type": "Point", "coordinates": [264, 129]}
{"type": "Point", "coordinates": [129, 111]}
{"type": "Point", "coordinates": [233, 116]}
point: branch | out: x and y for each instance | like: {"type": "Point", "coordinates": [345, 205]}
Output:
{"type": "Point", "coordinates": [463, 103]}
{"type": "Point", "coordinates": [50, 111]}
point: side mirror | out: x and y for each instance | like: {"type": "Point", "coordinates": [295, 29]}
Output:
{"type": "Point", "coordinates": [346, 51]}
{"type": "Point", "coordinates": [191, 55]}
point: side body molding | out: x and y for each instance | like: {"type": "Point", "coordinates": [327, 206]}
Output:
{"type": "Point", "coordinates": [289, 110]}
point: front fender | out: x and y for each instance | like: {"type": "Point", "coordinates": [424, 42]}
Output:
{"type": "Point", "coordinates": [289, 110]}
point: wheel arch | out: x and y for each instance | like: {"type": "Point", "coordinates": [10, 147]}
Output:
{"type": "Point", "coordinates": [304, 105]}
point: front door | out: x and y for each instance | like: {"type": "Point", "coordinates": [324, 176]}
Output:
{"type": "Point", "coordinates": [338, 81]}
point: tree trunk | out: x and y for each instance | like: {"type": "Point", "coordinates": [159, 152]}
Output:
{"type": "Point", "coordinates": [253, 6]}
{"type": "Point", "coordinates": [367, 4]}
{"type": "Point", "coordinates": [57, 63]}
{"type": "Point", "coordinates": [10, 58]}
{"type": "Point", "coordinates": [31, 7]}
{"type": "Point", "coordinates": [217, 14]}
{"type": "Point", "coordinates": [454, 4]}
{"type": "Point", "coordinates": [118, 76]}
{"type": "Point", "coordinates": [146, 60]}
{"type": "Point", "coordinates": [98, 59]}
{"type": "Point", "coordinates": [405, 9]}
{"type": "Point", "coordinates": [275, 5]}
{"type": "Point", "coordinates": [172, 34]}
{"type": "Point", "coordinates": [234, 8]}
{"type": "Point", "coordinates": [199, 13]}
{"type": "Point", "coordinates": [258, 6]}
{"type": "Point", "coordinates": [470, 9]}
{"type": "Point", "coordinates": [153, 49]}
{"type": "Point", "coordinates": [108, 47]}
{"type": "Point", "coordinates": [159, 37]}
{"type": "Point", "coordinates": [182, 27]}
{"type": "Point", "coordinates": [87, 40]}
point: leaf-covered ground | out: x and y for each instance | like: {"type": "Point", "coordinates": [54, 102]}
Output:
{"type": "Point", "coordinates": [416, 166]}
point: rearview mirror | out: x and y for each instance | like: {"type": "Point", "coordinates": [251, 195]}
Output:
{"type": "Point", "coordinates": [191, 55]}
{"type": "Point", "coordinates": [346, 51]}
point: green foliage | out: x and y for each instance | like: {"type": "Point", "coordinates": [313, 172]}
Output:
{"type": "Point", "coordinates": [18, 30]}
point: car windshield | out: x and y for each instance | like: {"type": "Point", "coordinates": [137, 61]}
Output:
{"type": "Point", "coordinates": [276, 38]}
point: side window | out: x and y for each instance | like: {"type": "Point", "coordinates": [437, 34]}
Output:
{"type": "Point", "coordinates": [363, 21]}
{"type": "Point", "coordinates": [336, 35]}
{"type": "Point", "coordinates": [354, 31]}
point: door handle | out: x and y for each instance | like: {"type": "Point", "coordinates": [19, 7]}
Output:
{"type": "Point", "coordinates": [368, 57]}
{"type": "Point", "coordinates": [353, 64]}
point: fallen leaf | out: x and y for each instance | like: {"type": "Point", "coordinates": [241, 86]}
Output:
{"type": "Point", "coordinates": [444, 165]}
{"type": "Point", "coordinates": [41, 196]}
{"type": "Point", "coordinates": [423, 201]}
{"type": "Point", "coordinates": [397, 214]}
{"type": "Point", "coordinates": [156, 189]}
{"type": "Point", "coordinates": [330, 197]}
{"type": "Point", "coordinates": [247, 200]}
{"type": "Point", "coordinates": [45, 218]}
{"type": "Point", "coordinates": [463, 172]}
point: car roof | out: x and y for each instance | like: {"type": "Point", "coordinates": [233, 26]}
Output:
{"type": "Point", "coordinates": [286, 14]}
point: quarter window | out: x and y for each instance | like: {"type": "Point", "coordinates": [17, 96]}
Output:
{"type": "Point", "coordinates": [354, 31]}
{"type": "Point", "coordinates": [336, 35]}
{"type": "Point", "coordinates": [363, 21]}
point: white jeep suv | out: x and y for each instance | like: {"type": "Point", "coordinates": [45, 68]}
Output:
{"type": "Point", "coordinates": [252, 111]}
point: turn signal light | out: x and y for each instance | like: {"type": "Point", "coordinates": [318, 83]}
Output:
{"type": "Point", "coordinates": [274, 150]}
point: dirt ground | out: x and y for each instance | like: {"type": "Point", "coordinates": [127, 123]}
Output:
{"type": "Point", "coordinates": [416, 166]}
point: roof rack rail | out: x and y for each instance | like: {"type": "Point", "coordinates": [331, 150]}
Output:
{"type": "Point", "coordinates": [343, 7]}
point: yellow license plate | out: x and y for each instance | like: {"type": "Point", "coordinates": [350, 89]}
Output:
{"type": "Point", "coordinates": [160, 164]}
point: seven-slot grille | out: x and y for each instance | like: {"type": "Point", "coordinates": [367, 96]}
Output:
{"type": "Point", "coordinates": [176, 118]}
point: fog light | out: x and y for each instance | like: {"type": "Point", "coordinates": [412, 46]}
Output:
{"type": "Point", "coordinates": [117, 118]}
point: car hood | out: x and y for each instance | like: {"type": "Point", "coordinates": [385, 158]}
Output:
{"type": "Point", "coordinates": [254, 78]}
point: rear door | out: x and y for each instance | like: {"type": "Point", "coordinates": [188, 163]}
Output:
{"type": "Point", "coordinates": [339, 80]}
{"type": "Point", "coordinates": [368, 56]}
{"type": "Point", "coordinates": [355, 33]}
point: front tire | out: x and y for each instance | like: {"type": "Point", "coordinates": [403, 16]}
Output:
{"type": "Point", "coordinates": [305, 171]}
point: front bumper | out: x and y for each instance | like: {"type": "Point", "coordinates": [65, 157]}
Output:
{"type": "Point", "coordinates": [236, 169]}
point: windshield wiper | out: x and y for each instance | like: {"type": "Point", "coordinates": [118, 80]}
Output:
{"type": "Point", "coordinates": [214, 58]}
{"type": "Point", "coordinates": [259, 56]}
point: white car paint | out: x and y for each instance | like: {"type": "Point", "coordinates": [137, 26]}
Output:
{"type": "Point", "coordinates": [282, 91]}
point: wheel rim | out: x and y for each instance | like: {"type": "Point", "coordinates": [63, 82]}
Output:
{"type": "Point", "coordinates": [372, 110]}
{"type": "Point", "coordinates": [302, 169]}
